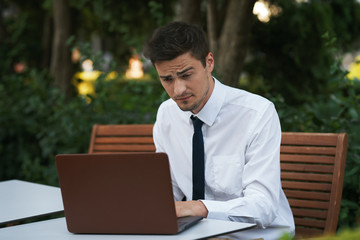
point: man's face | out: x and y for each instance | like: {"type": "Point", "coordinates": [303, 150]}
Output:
{"type": "Point", "coordinates": [187, 81]}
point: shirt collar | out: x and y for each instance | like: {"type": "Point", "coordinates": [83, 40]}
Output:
{"type": "Point", "coordinates": [212, 107]}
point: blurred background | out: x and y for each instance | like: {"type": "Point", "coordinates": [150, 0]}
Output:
{"type": "Point", "coordinates": [68, 64]}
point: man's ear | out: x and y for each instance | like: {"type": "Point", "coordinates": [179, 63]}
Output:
{"type": "Point", "coordinates": [210, 62]}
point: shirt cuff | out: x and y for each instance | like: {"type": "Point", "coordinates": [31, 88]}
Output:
{"type": "Point", "coordinates": [216, 209]}
{"type": "Point", "coordinates": [221, 210]}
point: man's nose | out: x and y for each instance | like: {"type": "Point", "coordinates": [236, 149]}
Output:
{"type": "Point", "coordinates": [179, 87]}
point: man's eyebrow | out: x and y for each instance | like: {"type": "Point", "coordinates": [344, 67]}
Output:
{"type": "Point", "coordinates": [184, 71]}
{"type": "Point", "coordinates": [178, 73]}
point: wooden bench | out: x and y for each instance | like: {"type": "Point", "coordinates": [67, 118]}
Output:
{"type": "Point", "coordinates": [312, 173]}
{"type": "Point", "coordinates": [122, 138]}
{"type": "Point", "coordinates": [312, 170]}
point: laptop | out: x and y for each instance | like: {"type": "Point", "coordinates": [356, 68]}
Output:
{"type": "Point", "coordinates": [122, 193]}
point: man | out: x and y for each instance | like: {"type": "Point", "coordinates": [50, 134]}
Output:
{"type": "Point", "coordinates": [240, 135]}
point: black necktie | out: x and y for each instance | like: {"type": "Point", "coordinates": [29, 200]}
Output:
{"type": "Point", "coordinates": [198, 160]}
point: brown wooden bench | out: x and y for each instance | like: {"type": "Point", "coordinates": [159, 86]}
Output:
{"type": "Point", "coordinates": [312, 173]}
{"type": "Point", "coordinates": [312, 170]}
{"type": "Point", "coordinates": [121, 138]}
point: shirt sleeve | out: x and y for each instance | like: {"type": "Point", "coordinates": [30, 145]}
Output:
{"type": "Point", "coordinates": [261, 177]}
{"type": "Point", "coordinates": [158, 136]}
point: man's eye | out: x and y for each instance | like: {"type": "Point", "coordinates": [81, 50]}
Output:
{"type": "Point", "coordinates": [185, 76]}
{"type": "Point", "coordinates": [167, 79]}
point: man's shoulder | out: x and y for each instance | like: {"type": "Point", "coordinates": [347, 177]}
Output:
{"type": "Point", "coordinates": [244, 99]}
{"type": "Point", "coordinates": [168, 105]}
{"type": "Point", "coordinates": [168, 109]}
{"type": "Point", "coordinates": [169, 116]}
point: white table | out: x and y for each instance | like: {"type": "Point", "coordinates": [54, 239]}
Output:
{"type": "Point", "coordinates": [271, 233]}
{"type": "Point", "coordinates": [56, 229]}
{"type": "Point", "coordinates": [20, 200]}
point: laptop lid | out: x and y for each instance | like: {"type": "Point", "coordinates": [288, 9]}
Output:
{"type": "Point", "coordinates": [128, 193]}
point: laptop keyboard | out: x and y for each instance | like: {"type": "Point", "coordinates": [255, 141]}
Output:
{"type": "Point", "coordinates": [186, 222]}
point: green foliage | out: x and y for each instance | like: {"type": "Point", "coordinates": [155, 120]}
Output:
{"type": "Point", "coordinates": [347, 234]}
{"type": "Point", "coordinates": [336, 110]}
{"type": "Point", "coordinates": [21, 28]}
{"type": "Point", "coordinates": [290, 53]}
{"type": "Point", "coordinates": [38, 122]}
{"type": "Point", "coordinates": [286, 236]}
{"type": "Point", "coordinates": [123, 25]}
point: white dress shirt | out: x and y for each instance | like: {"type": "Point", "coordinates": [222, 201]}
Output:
{"type": "Point", "coordinates": [242, 137]}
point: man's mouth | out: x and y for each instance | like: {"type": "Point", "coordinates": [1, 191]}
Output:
{"type": "Point", "coordinates": [183, 98]}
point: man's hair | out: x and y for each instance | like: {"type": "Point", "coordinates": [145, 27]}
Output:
{"type": "Point", "coordinates": [175, 39]}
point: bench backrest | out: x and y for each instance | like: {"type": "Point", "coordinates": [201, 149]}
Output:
{"type": "Point", "coordinates": [312, 173]}
{"type": "Point", "coordinates": [121, 138]}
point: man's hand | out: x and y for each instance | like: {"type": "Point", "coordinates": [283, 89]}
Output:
{"type": "Point", "coordinates": [190, 208]}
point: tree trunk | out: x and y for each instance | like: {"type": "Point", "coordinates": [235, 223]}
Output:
{"type": "Point", "coordinates": [2, 27]}
{"type": "Point", "coordinates": [233, 41]}
{"type": "Point", "coordinates": [61, 68]}
{"type": "Point", "coordinates": [229, 24]}
{"type": "Point", "coordinates": [190, 11]}
{"type": "Point", "coordinates": [46, 41]}
{"type": "Point", "coordinates": [212, 25]}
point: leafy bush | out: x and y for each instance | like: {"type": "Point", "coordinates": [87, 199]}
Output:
{"type": "Point", "coordinates": [336, 111]}
{"type": "Point", "coordinates": [289, 54]}
{"type": "Point", "coordinates": [38, 122]}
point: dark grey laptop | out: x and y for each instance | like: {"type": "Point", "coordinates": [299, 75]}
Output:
{"type": "Point", "coordinates": [128, 193]}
